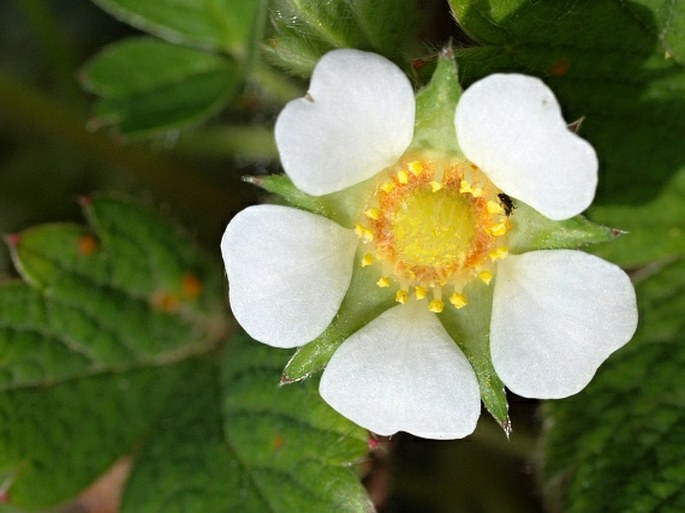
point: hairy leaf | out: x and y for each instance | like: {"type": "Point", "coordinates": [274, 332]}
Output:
{"type": "Point", "coordinates": [253, 447]}
{"type": "Point", "coordinates": [307, 29]}
{"type": "Point", "coordinates": [94, 344]}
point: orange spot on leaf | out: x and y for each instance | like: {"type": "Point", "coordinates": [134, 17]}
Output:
{"type": "Point", "coordinates": [87, 245]}
{"type": "Point", "coordinates": [560, 68]}
{"type": "Point", "coordinates": [164, 301]}
{"type": "Point", "coordinates": [278, 442]}
{"type": "Point", "coordinates": [191, 286]}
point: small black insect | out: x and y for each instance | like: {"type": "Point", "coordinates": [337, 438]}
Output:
{"type": "Point", "coordinates": [507, 203]}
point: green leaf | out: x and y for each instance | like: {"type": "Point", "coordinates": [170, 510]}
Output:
{"type": "Point", "coordinates": [212, 24]}
{"type": "Point", "coordinates": [307, 29]}
{"type": "Point", "coordinates": [619, 446]}
{"type": "Point", "coordinates": [613, 71]}
{"type": "Point", "coordinates": [669, 24]}
{"type": "Point", "coordinates": [55, 439]}
{"type": "Point", "coordinates": [655, 229]}
{"type": "Point", "coordinates": [261, 448]}
{"type": "Point", "coordinates": [94, 345]}
{"type": "Point", "coordinates": [147, 86]}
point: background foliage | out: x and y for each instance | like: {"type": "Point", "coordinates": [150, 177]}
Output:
{"type": "Point", "coordinates": [114, 336]}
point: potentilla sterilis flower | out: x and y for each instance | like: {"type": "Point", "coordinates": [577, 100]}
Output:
{"type": "Point", "coordinates": [436, 226]}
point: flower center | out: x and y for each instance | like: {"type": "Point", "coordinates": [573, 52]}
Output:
{"type": "Point", "coordinates": [434, 225]}
{"type": "Point", "coordinates": [428, 233]}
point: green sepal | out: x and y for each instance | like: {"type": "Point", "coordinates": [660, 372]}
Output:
{"type": "Point", "coordinates": [363, 302]}
{"type": "Point", "coordinates": [435, 107]}
{"type": "Point", "coordinates": [342, 207]}
{"type": "Point", "coordinates": [532, 231]}
{"type": "Point", "coordinates": [470, 329]}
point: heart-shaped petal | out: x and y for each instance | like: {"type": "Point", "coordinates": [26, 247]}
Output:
{"type": "Point", "coordinates": [402, 372]}
{"type": "Point", "coordinates": [556, 316]}
{"type": "Point", "coordinates": [356, 120]}
{"type": "Point", "coordinates": [511, 127]}
{"type": "Point", "coordinates": [288, 271]}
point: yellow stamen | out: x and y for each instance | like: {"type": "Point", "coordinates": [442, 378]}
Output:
{"type": "Point", "coordinates": [436, 306]}
{"type": "Point", "coordinates": [388, 186]}
{"type": "Point", "coordinates": [476, 192]}
{"type": "Point", "coordinates": [499, 229]}
{"type": "Point", "coordinates": [435, 186]}
{"type": "Point", "coordinates": [415, 168]}
{"type": "Point", "coordinates": [367, 260]}
{"type": "Point", "coordinates": [458, 300]}
{"type": "Point", "coordinates": [365, 234]}
{"type": "Point", "coordinates": [494, 208]}
{"type": "Point", "coordinates": [464, 187]}
{"type": "Point", "coordinates": [485, 276]}
{"type": "Point", "coordinates": [498, 253]}
{"type": "Point", "coordinates": [373, 213]}
{"type": "Point", "coordinates": [403, 177]}
{"type": "Point", "coordinates": [401, 296]}
{"type": "Point", "coordinates": [383, 282]}
{"type": "Point", "coordinates": [420, 292]}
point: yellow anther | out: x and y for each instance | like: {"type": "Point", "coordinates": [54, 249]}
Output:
{"type": "Point", "coordinates": [402, 296]}
{"type": "Point", "coordinates": [464, 186]}
{"type": "Point", "coordinates": [415, 168]}
{"type": "Point", "coordinates": [363, 233]}
{"type": "Point", "coordinates": [367, 260]}
{"type": "Point", "coordinates": [485, 276]}
{"type": "Point", "coordinates": [498, 253]}
{"type": "Point", "coordinates": [420, 292]}
{"type": "Point", "coordinates": [436, 306]}
{"type": "Point", "coordinates": [403, 177]}
{"type": "Point", "coordinates": [388, 186]}
{"type": "Point", "coordinates": [383, 282]}
{"type": "Point", "coordinates": [435, 186]}
{"type": "Point", "coordinates": [458, 300]}
{"type": "Point", "coordinates": [499, 229]}
{"type": "Point", "coordinates": [476, 192]}
{"type": "Point", "coordinates": [373, 213]}
{"type": "Point", "coordinates": [494, 208]}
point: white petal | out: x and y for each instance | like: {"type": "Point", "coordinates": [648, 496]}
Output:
{"type": "Point", "coordinates": [402, 372]}
{"type": "Point", "coordinates": [511, 127]}
{"type": "Point", "coordinates": [288, 272]}
{"type": "Point", "coordinates": [557, 315]}
{"type": "Point", "coordinates": [357, 119]}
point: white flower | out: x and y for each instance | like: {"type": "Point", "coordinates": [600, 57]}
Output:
{"type": "Point", "coordinates": [431, 224]}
